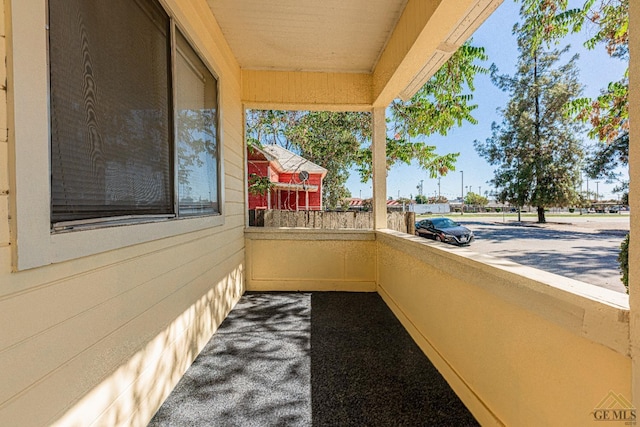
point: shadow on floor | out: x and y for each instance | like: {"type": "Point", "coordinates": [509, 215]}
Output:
{"type": "Point", "coordinates": [322, 359]}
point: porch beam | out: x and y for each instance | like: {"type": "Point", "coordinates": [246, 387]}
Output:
{"type": "Point", "coordinates": [379, 159]}
{"type": "Point", "coordinates": [426, 35]}
{"type": "Point", "coordinates": [300, 90]}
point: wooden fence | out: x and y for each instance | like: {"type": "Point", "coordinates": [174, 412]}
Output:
{"type": "Point", "coordinates": [399, 221]}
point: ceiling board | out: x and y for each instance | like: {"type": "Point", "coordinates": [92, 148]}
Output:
{"type": "Point", "coordinates": [307, 35]}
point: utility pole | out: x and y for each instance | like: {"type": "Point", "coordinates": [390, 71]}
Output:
{"type": "Point", "coordinates": [596, 198]}
{"type": "Point", "coordinates": [462, 192]}
{"type": "Point", "coordinates": [438, 188]}
{"type": "Point", "coordinates": [588, 196]}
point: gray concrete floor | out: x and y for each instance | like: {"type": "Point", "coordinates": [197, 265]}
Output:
{"type": "Point", "coordinates": [312, 359]}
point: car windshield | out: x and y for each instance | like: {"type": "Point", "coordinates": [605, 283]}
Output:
{"type": "Point", "coordinates": [443, 223]}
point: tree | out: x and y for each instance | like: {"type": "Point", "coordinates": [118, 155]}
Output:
{"type": "Point", "coordinates": [535, 147]}
{"type": "Point", "coordinates": [332, 140]}
{"type": "Point", "coordinates": [260, 185]}
{"type": "Point", "coordinates": [474, 199]}
{"type": "Point", "coordinates": [603, 162]}
{"type": "Point", "coordinates": [608, 114]}
{"type": "Point", "coordinates": [339, 141]}
{"type": "Point", "coordinates": [421, 199]}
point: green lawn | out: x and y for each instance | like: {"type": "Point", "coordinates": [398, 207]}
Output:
{"type": "Point", "coordinates": [523, 215]}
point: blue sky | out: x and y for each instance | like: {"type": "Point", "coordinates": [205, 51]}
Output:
{"type": "Point", "coordinates": [596, 71]}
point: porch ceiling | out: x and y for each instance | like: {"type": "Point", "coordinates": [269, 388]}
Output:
{"type": "Point", "coordinates": [308, 35]}
{"type": "Point", "coordinates": [337, 54]}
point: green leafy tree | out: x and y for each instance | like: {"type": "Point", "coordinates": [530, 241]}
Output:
{"type": "Point", "coordinates": [474, 199]}
{"type": "Point", "coordinates": [267, 127]}
{"type": "Point", "coordinates": [260, 185]}
{"type": "Point", "coordinates": [535, 147]}
{"type": "Point", "coordinates": [444, 101]}
{"type": "Point", "coordinates": [604, 162]}
{"type": "Point", "coordinates": [332, 140]}
{"type": "Point", "coordinates": [421, 199]}
{"type": "Point", "coordinates": [608, 113]}
{"type": "Point", "coordinates": [339, 141]}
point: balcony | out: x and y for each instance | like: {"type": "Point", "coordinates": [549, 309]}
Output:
{"type": "Point", "coordinates": [325, 358]}
{"type": "Point", "coordinates": [518, 346]}
{"type": "Point", "coordinates": [101, 323]}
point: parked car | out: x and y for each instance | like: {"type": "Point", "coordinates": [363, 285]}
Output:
{"type": "Point", "coordinates": [444, 230]}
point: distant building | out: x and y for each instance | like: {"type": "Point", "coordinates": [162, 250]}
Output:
{"type": "Point", "coordinates": [358, 204]}
{"type": "Point", "coordinates": [297, 181]}
{"type": "Point", "coordinates": [432, 208]}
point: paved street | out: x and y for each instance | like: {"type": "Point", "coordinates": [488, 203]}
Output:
{"type": "Point", "coordinates": [583, 248]}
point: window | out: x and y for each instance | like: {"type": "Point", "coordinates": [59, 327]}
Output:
{"type": "Point", "coordinates": [92, 109]}
{"type": "Point", "coordinates": [196, 133]}
{"type": "Point", "coordinates": [133, 115]}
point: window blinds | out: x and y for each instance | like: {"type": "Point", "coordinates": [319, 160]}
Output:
{"type": "Point", "coordinates": [111, 149]}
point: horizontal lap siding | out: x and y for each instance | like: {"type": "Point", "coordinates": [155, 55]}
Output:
{"type": "Point", "coordinates": [104, 338]}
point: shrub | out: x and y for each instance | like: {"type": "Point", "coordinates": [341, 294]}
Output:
{"type": "Point", "coordinates": [623, 261]}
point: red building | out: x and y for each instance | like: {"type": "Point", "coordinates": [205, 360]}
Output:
{"type": "Point", "coordinates": [297, 181]}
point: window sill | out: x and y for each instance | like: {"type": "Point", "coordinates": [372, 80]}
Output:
{"type": "Point", "coordinates": [97, 238]}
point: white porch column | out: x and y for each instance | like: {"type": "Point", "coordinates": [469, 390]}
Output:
{"type": "Point", "coordinates": [634, 196]}
{"type": "Point", "coordinates": [379, 151]}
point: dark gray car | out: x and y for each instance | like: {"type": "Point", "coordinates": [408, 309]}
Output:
{"type": "Point", "coordinates": [444, 230]}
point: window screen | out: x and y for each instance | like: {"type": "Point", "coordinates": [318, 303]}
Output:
{"type": "Point", "coordinates": [111, 151]}
{"type": "Point", "coordinates": [196, 133]}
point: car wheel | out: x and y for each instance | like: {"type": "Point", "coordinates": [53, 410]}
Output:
{"type": "Point", "coordinates": [438, 238]}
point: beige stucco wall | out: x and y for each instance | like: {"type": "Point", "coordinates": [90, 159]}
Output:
{"type": "Point", "coordinates": [103, 338]}
{"type": "Point", "coordinates": [516, 348]}
{"type": "Point", "coordinates": [280, 259]}
{"type": "Point", "coordinates": [519, 346]}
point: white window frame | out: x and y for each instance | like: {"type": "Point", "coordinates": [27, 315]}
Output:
{"type": "Point", "coordinates": [35, 244]}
